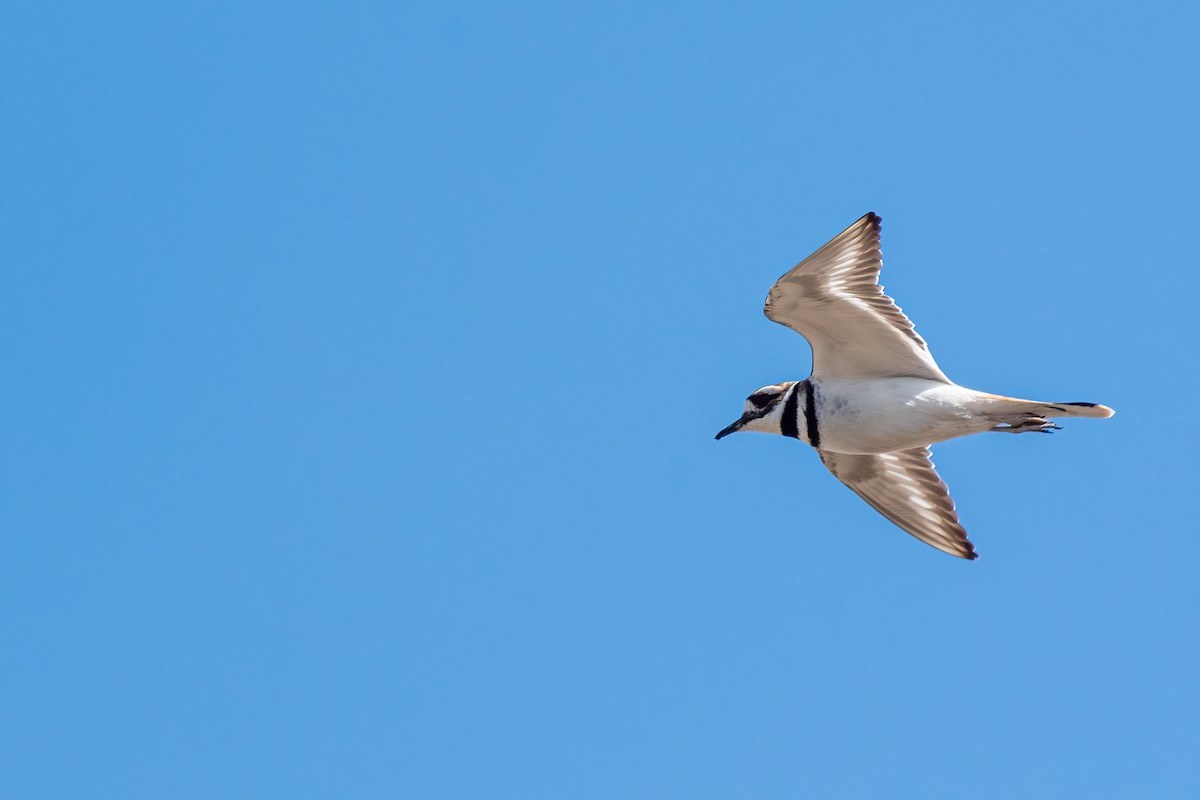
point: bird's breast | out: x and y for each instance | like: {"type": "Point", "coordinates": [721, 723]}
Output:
{"type": "Point", "coordinates": [887, 414]}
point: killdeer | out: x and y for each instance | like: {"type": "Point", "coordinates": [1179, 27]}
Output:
{"type": "Point", "coordinates": [876, 400]}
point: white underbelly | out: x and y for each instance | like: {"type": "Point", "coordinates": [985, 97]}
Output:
{"type": "Point", "coordinates": [879, 416]}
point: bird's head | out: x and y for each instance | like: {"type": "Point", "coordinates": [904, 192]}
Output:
{"type": "Point", "coordinates": [763, 411]}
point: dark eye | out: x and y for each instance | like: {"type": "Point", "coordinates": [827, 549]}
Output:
{"type": "Point", "coordinates": [762, 400]}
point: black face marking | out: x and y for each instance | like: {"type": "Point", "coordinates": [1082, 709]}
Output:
{"type": "Point", "coordinates": [810, 415]}
{"type": "Point", "coordinates": [763, 400]}
{"type": "Point", "coordinates": [788, 424]}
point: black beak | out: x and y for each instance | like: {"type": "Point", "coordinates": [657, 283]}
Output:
{"type": "Point", "coordinates": [735, 427]}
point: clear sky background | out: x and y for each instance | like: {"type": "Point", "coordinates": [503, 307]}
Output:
{"type": "Point", "coordinates": [363, 364]}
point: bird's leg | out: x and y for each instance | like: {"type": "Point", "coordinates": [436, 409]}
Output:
{"type": "Point", "coordinates": [1026, 423]}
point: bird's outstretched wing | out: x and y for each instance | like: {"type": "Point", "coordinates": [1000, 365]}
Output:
{"type": "Point", "coordinates": [905, 488]}
{"type": "Point", "coordinates": [833, 299]}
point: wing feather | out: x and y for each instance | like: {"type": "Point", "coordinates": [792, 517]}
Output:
{"type": "Point", "coordinates": [905, 488]}
{"type": "Point", "coordinates": [834, 300]}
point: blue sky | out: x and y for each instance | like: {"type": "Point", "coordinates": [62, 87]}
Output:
{"type": "Point", "coordinates": [364, 362]}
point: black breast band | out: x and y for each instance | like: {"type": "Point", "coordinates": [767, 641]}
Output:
{"type": "Point", "coordinates": [789, 425]}
{"type": "Point", "coordinates": [810, 415]}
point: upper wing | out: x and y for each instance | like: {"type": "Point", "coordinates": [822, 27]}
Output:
{"type": "Point", "coordinates": [833, 299]}
{"type": "Point", "coordinates": [905, 488]}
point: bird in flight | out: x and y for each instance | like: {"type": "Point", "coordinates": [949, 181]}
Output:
{"type": "Point", "coordinates": [876, 400]}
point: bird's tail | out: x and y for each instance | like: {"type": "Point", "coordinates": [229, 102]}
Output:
{"type": "Point", "coordinates": [1054, 410]}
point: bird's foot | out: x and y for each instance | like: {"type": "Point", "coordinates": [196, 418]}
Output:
{"type": "Point", "coordinates": [1025, 424]}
